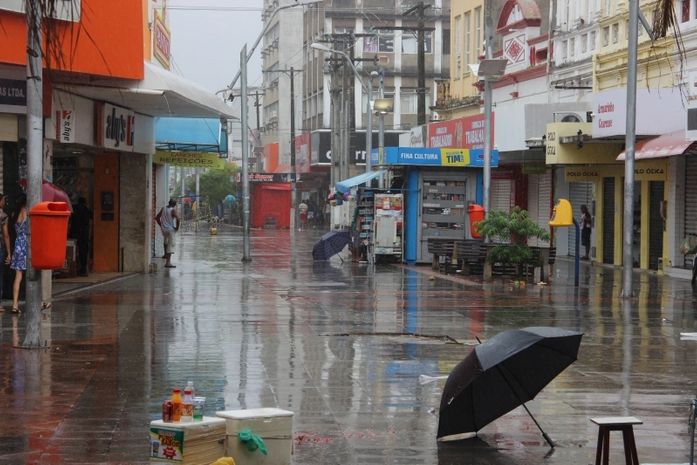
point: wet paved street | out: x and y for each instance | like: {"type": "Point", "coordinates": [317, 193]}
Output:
{"type": "Point", "coordinates": [328, 341]}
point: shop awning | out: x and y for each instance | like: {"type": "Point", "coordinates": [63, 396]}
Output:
{"type": "Point", "coordinates": [667, 145]}
{"type": "Point", "coordinates": [160, 93]}
{"type": "Point", "coordinates": [346, 185]}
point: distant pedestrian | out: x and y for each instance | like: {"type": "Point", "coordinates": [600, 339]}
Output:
{"type": "Point", "coordinates": [80, 225]}
{"type": "Point", "coordinates": [327, 214]}
{"type": "Point", "coordinates": [586, 228]}
{"type": "Point", "coordinates": [303, 208]}
{"type": "Point", "coordinates": [5, 250]}
{"type": "Point", "coordinates": [19, 254]}
{"type": "Point", "coordinates": [169, 222]}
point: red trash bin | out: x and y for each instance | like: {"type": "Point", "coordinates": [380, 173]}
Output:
{"type": "Point", "coordinates": [476, 214]}
{"type": "Point", "coordinates": [49, 234]}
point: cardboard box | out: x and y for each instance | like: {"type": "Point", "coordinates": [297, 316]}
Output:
{"type": "Point", "coordinates": [274, 426]}
{"type": "Point", "coordinates": [189, 443]}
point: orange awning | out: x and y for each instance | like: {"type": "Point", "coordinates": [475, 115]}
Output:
{"type": "Point", "coordinates": [667, 145]}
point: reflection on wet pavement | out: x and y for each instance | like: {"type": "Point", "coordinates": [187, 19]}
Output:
{"type": "Point", "coordinates": [331, 342]}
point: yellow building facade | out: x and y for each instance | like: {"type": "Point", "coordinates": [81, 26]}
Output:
{"type": "Point", "coordinates": [459, 97]}
{"type": "Point", "coordinates": [656, 70]}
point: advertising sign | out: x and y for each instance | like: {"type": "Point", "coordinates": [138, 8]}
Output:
{"type": "Point", "coordinates": [467, 132]}
{"type": "Point", "coordinates": [13, 92]}
{"type": "Point", "coordinates": [302, 153]}
{"type": "Point", "coordinates": [167, 444]}
{"type": "Point", "coordinates": [658, 111]}
{"type": "Point", "coordinates": [321, 146]}
{"type": "Point", "coordinates": [427, 156]}
{"type": "Point", "coordinates": [161, 42]}
{"type": "Point", "coordinates": [268, 177]}
{"type": "Point", "coordinates": [65, 126]}
{"type": "Point", "coordinates": [189, 159]}
{"type": "Point", "coordinates": [649, 170]}
{"type": "Point", "coordinates": [116, 127]}
{"type": "Point", "coordinates": [557, 153]}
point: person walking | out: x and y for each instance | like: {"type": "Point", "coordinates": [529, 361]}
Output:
{"type": "Point", "coordinates": [168, 219]}
{"type": "Point", "coordinates": [82, 216]}
{"type": "Point", "coordinates": [5, 249]}
{"type": "Point", "coordinates": [303, 208]}
{"type": "Point", "coordinates": [19, 254]}
{"type": "Point", "coordinates": [586, 228]}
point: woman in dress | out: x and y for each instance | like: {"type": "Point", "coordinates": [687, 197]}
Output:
{"type": "Point", "coordinates": [19, 255]}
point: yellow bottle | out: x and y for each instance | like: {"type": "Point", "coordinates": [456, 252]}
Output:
{"type": "Point", "coordinates": [176, 404]}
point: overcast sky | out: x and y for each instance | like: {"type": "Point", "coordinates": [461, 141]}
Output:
{"type": "Point", "coordinates": [206, 43]}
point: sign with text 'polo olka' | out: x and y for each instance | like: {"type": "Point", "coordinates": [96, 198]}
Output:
{"type": "Point", "coordinates": [116, 127]}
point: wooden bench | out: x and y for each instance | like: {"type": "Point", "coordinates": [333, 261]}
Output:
{"type": "Point", "coordinates": [624, 424]}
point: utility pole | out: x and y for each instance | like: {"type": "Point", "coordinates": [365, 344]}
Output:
{"type": "Point", "coordinates": [381, 129]}
{"type": "Point", "coordinates": [246, 257]}
{"type": "Point", "coordinates": [629, 151]}
{"type": "Point", "coordinates": [32, 338]}
{"type": "Point", "coordinates": [420, 10]}
{"type": "Point", "coordinates": [369, 127]}
{"type": "Point", "coordinates": [257, 105]}
{"type": "Point", "coordinates": [488, 54]}
{"type": "Point", "coordinates": [293, 184]}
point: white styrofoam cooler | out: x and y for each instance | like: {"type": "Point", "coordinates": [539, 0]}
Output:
{"type": "Point", "coordinates": [187, 443]}
{"type": "Point", "coordinates": [273, 425]}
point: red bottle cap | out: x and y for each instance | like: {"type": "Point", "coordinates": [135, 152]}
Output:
{"type": "Point", "coordinates": [176, 390]}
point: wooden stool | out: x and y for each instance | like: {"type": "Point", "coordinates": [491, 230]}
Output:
{"type": "Point", "coordinates": [624, 424]}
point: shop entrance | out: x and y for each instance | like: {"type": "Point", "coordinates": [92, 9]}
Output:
{"type": "Point", "coordinates": [656, 223]}
{"type": "Point", "coordinates": [106, 212]}
{"type": "Point", "coordinates": [636, 226]}
{"type": "Point", "coordinates": [580, 193]}
{"type": "Point", "coordinates": [609, 212]}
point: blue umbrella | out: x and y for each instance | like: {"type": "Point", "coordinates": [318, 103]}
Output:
{"type": "Point", "coordinates": [330, 244]}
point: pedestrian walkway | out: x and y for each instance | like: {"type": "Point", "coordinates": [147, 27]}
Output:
{"type": "Point", "coordinates": [342, 346]}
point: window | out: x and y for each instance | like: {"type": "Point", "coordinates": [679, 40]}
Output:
{"type": "Point", "coordinates": [572, 47]}
{"type": "Point", "coordinates": [608, 7]}
{"type": "Point", "coordinates": [584, 43]}
{"type": "Point", "coordinates": [615, 33]}
{"type": "Point", "coordinates": [409, 101]}
{"type": "Point", "coordinates": [564, 50]}
{"type": "Point", "coordinates": [468, 38]}
{"type": "Point", "coordinates": [458, 45]}
{"type": "Point", "coordinates": [592, 41]}
{"type": "Point", "coordinates": [410, 42]}
{"type": "Point", "coordinates": [685, 11]}
{"type": "Point", "coordinates": [382, 42]}
{"type": "Point", "coordinates": [477, 32]}
{"type": "Point", "coordinates": [606, 36]}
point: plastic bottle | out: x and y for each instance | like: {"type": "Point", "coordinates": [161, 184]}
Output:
{"type": "Point", "coordinates": [176, 404]}
{"type": "Point", "coordinates": [187, 406]}
{"type": "Point", "coordinates": [190, 385]}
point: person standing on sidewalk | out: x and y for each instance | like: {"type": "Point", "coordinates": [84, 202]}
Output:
{"type": "Point", "coordinates": [19, 255]}
{"type": "Point", "coordinates": [168, 219]}
{"type": "Point", "coordinates": [5, 249]}
{"type": "Point", "coordinates": [82, 216]}
{"type": "Point", "coordinates": [586, 228]}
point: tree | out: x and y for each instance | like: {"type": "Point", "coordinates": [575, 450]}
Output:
{"type": "Point", "coordinates": [515, 228]}
{"type": "Point", "coordinates": [217, 183]}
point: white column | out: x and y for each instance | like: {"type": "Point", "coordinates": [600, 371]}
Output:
{"type": "Point", "coordinates": [397, 115]}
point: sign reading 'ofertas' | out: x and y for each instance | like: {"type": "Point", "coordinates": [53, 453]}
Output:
{"type": "Point", "coordinates": [189, 159]}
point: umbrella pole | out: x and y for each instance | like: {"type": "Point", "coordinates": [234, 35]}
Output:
{"type": "Point", "coordinates": [544, 435]}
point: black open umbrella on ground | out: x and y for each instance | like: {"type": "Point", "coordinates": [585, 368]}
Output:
{"type": "Point", "coordinates": [330, 244]}
{"type": "Point", "coordinates": [502, 373]}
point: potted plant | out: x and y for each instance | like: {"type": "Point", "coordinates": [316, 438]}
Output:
{"type": "Point", "coordinates": [513, 231]}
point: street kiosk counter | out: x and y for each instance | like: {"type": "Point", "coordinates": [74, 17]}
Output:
{"type": "Point", "coordinates": [440, 185]}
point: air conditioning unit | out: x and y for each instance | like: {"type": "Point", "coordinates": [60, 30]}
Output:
{"type": "Point", "coordinates": [573, 116]}
{"type": "Point", "coordinates": [691, 122]}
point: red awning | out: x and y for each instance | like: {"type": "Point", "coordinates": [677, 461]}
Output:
{"type": "Point", "coordinates": [667, 145]}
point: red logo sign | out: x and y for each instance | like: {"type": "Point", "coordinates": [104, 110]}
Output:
{"type": "Point", "coordinates": [461, 133]}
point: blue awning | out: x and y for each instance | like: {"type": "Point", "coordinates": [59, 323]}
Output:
{"type": "Point", "coordinates": [346, 185]}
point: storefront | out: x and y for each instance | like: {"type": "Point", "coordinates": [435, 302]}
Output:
{"type": "Point", "coordinates": [440, 185]}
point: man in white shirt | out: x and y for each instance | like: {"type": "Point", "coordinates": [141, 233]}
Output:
{"type": "Point", "coordinates": [168, 219]}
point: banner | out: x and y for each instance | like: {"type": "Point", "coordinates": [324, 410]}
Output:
{"type": "Point", "coordinates": [189, 159]}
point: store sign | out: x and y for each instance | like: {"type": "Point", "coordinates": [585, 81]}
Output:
{"type": "Point", "coordinates": [416, 137]}
{"type": "Point", "coordinates": [649, 170]}
{"type": "Point", "coordinates": [427, 156]}
{"type": "Point", "coordinates": [465, 132]}
{"type": "Point", "coordinates": [302, 153]}
{"type": "Point", "coordinates": [189, 159]}
{"type": "Point", "coordinates": [65, 126]}
{"type": "Point", "coordinates": [558, 153]}
{"type": "Point", "coordinates": [167, 444]}
{"type": "Point", "coordinates": [321, 146]}
{"type": "Point", "coordinates": [162, 42]}
{"type": "Point", "coordinates": [116, 127]}
{"type": "Point", "coordinates": [13, 92]}
{"type": "Point", "coordinates": [658, 111]}
{"type": "Point", "coordinates": [268, 177]}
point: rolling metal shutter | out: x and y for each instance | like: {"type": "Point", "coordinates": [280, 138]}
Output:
{"type": "Point", "coordinates": [540, 203]}
{"type": "Point", "coordinates": [609, 212]}
{"type": "Point", "coordinates": [502, 194]}
{"type": "Point", "coordinates": [691, 195]}
{"type": "Point", "coordinates": [580, 193]}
